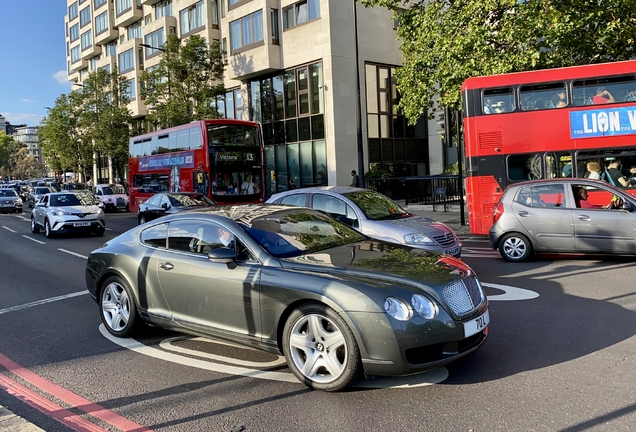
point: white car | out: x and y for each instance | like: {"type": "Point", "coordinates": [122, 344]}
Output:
{"type": "Point", "coordinates": [66, 212]}
{"type": "Point", "coordinates": [112, 195]}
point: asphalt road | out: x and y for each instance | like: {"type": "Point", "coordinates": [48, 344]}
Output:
{"type": "Point", "coordinates": [560, 356]}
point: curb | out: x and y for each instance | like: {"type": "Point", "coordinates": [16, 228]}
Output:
{"type": "Point", "coordinates": [10, 422]}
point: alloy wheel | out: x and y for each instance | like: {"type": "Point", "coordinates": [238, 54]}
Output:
{"type": "Point", "coordinates": [115, 306]}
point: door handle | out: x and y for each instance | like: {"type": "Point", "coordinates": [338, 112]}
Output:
{"type": "Point", "coordinates": [584, 217]}
{"type": "Point", "coordinates": [523, 213]}
{"type": "Point", "coordinates": [166, 266]}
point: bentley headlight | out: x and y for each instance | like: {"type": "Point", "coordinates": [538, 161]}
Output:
{"type": "Point", "coordinates": [418, 239]}
{"type": "Point", "coordinates": [424, 306]}
{"type": "Point", "coordinates": [397, 309]}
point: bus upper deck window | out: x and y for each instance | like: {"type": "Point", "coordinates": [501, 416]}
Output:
{"type": "Point", "coordinates": [501, 100]}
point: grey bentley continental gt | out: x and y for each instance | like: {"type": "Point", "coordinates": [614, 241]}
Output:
{"type": "Point", "coordinates": [295, 281]}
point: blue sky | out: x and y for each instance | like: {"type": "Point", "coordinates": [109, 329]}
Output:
{"type": "Point", "coordinates": [33, 58]}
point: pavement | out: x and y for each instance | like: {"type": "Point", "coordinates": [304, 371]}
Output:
{"type": "Point", "coordinates": [10, 422]}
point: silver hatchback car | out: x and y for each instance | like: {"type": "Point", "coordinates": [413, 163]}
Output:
{"type": "Point", "coordinates": [563, 216]}
{"type": "Point", "coordinates": [67, 212]}
{"type": "Point", "coordinates": [375, 215]}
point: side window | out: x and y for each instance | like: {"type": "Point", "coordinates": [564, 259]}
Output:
{"type": "Point", "coordinates": [524, 196]}
{"type": "Point", "coordinates": [295, 199]}
{"type": "Point", "coordinates": [334, 206]}
{"type": "Point", "coordinates": [154, 200]}
{"type": "Point", "coordinates": [192, 236]}
{"type": "Point", "coordinates": [559, 164]}
{"type": "Point", "coordinates": [164, 200]}
{"type": "Point", "coordinates": [548, 195]}
{"type": "Point", "coordinates": [543, 96]}
{"type": "Point", "coordinates": [592, 197]}
{"type": "Point", "coordinates": [524, 167]}
{"type": "Point", "coordinates": [155, 236]}
{"type": "Point", "coordinates": [600, 91]}
{"type": "Point", "coordinates": [501, 100]}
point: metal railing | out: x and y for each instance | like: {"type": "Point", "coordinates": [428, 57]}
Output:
{"type": "Point", "coordinates": [430, 190]}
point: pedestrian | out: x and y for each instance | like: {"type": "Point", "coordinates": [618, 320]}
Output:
{"type": "Point", "coordinates": [355, 182]}
{"type": "Point", "coordinates": [291, 185]}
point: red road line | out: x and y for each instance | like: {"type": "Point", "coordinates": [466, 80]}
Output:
{"type": "Point", "coordinates": [73, 399]}
{"type": "Point", "coordinates": [48, 407]}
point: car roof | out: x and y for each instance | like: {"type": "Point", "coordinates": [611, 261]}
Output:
{"type": "Point", "coordinates": [243, 212]}
{"type": "Point", "coordinates": [340, 190]}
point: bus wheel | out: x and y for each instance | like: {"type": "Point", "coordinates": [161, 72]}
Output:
{"type": "Point", "coordinates": [515, 247]}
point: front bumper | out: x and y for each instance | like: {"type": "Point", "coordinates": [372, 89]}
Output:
{"type": "Point", "coordinates": [77, 225]}
{"type": "Point", "coordinates": [12, 208]}
{"type": "Point", "coordinates": [400, 348]}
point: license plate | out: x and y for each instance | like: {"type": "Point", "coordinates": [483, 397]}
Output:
{"type": "Point", "coordinates": [476, 324]}
{"type": "Point", "coordinates": [452, 251]}
{"type": "Point", "coordinates": [7, 205]}
{"type": "Point", "coordinates": [81, 224]}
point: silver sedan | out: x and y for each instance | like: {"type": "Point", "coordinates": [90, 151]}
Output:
{"type": "Point", "coordinates": [376, 216]}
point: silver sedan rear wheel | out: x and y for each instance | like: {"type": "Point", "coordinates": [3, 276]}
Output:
{"type": "Point", "coordinates": [117, 307]}
{"type": "Point", "coordinates": [515, 247]}
{"type": "Point", "coordinates": [320, 348]}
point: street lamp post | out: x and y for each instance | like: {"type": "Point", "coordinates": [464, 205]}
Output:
{"type": "Point", "coordinates": [359, 104]}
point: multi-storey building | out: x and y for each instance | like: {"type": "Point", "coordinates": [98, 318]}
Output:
{"type": "Point", "coordinates": [292, 65]}
{"type": "Point", "coordinates": [29, 136]}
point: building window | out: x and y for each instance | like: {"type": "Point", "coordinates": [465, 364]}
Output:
{"type": "Point", "coordinates": [192, 18]}
{"type": "Point", "coordinates": [72, 11]}
{"type": "Point", "coordinates": [94, 61]}
{"type": "Point", "coordinates": [98, 3]}
{"type": "Point", "coordinates": [75, 54]}
{"type": "Point", "coordinates": [301, 12]}
{"type": "Point", "coordinates": [75, 33]}
{"type": "Point", "coordinates": [101, 23]}
{"type": "Point", "coordinates": [85, 16]}
{"type": "Point", "coordinates": [131, 91]}
{"type": "Point", "coordinates": [147, 19]}
{"type": "Point", "coordinates": [106, 68]}
{"type": "Point", "coordinates": [163, 8]}
{"type": "Point", "coordinates": [154, 39]}
{"type": "Point", "coordinates": [87, 40]}
{"type": "Point", "coordinates": [275, 26]}
{"type": "Point", "coordinates": [246, 31]}
{"type": "Point", "coordinates": [214, 13]}
{"type": "Point", "coordinates": [230, 105]}
{"type": "Point", "coordinates": [134, 30]}
{"type": "Point", "coordinates": [111, 48]}
{"type": "Point", "coordinates": [126, 61]}
{"type": "Point", "coordinates": [122, 6]}
{"type": "Point", "coordinates": [83, 74]}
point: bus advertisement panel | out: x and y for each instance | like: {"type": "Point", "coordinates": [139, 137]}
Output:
{"type": "Point", "coordinates": [222, 159]}
{"type": "Point", "coordinates": [549, 123]}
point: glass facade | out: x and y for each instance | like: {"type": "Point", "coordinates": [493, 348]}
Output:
{"type": "Point", "coordinates": [290, 106]}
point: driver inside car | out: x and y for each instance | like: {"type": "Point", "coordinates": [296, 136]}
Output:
{"type": "Point", "coordinates": [580, 197]}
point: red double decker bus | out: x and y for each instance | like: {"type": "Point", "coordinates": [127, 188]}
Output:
{"type": "Point", "coordinates": [545, 124]}
{"type": "Point", "coordinates": [222, 159]}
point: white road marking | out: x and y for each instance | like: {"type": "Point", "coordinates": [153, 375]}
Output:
{"type": "Point", "coordinates": [418, 380]}
{"type": "Point", "coordinates": [32, 239]}
{"type": "Point", "coordinates": [41, 302]}
{"type": "Point", "coordinates": [510, 293]}
{"type": "Point", "coordinates": [8, 229]}
{"type": "Point", "coordinates": [22, 217]}
{"type": "Point", "coordinates": [73, 253]}
{"type": "Point", "coordinates": [109, 229]}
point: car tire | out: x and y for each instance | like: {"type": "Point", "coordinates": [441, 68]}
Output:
{"type": "Point", "coordinates": [100, 232]}
{"type": "Point", "coordinates": [117, 308]}
{"type": "Point", "coordinates": [19, 211]}
{"type": "Point", "coordinates": [142, 219]}
{"type": "Point", "coordinates": [34, 227]}
{"type": "Point", "coordinates": [320, 349]}
{"type": "Point", "coordinates": [47, 229]}
{"type": "Point", "coordinates": [515, 247]}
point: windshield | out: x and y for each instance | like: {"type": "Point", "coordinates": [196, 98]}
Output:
{"type": "Point", "coordinates": [117, 189]}
{"type": "Point", "coordinates": [70, 200]}
{"type": "Point", "coordinates": [296, 232]}
{"type": "Point", "coordinates": [179, 200]}
{"type": "Point", "coordinates": [42, 190]}
{"type": "Point", "coordinates": [7, 193]}
{"type": "Point", "coordinates": [77, 186]}
{"type": "Point", "coordinates": [376, 206]}
{"type": "Point", "coordinates": [107, 190]}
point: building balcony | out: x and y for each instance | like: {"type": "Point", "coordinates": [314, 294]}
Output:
{"type": "Point", "coordinates": [109, 35]}
{"type": "Point", "coordinates": [247, 62]}
{"type": "Point", "coordinates": [149, 2]}
{"type": "Point", "coordinates": [135, 13]}
{"type": "Point", "coordinates": [108, 62]}
{"type": "Point", "coordinates": [79, 65]}
{"type": "Point", "coordinates": [91, 52]}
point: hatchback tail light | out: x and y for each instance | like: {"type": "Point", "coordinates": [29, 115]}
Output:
{"type": "Point", "coordinates": [496, 214]}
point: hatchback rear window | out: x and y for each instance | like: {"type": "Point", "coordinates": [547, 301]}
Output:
{"type": "Point", "coordinates": [542, 195]}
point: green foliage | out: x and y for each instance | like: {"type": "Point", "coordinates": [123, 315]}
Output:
{"type": "Point", "coordinates": [454, 169]}
{"type": "Point", "coordinates": [444, 42]}
{"type": "Point", "coordinates": [10, 154]}
{"type": "Point", "coordinates": [376, 173]}
{"type": "Point", "coordinates": [184, 85]}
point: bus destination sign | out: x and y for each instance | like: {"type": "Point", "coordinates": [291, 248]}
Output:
{"type": "Point", "coordinates": [603, 122]}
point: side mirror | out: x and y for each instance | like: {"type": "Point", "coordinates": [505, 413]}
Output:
{"type": "Point", "coordinates": [40, 204]}
{"type": "Point", "coordinates": [165, 206]}
{"type": "Point", "coordinates": [222, 255]}
{"type": "Point", "coordinates": [345, 220]}
{"type": "Point", "coordinates": [626, 206]}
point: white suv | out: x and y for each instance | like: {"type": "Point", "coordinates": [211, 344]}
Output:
{"type": "Point", "coordinates": [66, 212]}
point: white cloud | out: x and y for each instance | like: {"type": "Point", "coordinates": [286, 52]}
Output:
{"type": "Point", "coordinates": [23, 118]}
{"type": "Point", "coordinates": [28, 100]}
{"type": "Point", "coordinates": [62, 78]}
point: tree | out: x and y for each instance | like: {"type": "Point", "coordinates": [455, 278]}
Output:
{"type": "Point", "coordinates": [65, 145]}
{"type": "Point", "coordinates": [8, 150]}
{"type": "Point", "coordinates": [107, 118]}
{"type": "Point", "coordinates": [444, 42]}
{"type": "Point", "coordinates": [25, 165]}
{"type": "Point", "coordinates": [184, 86]}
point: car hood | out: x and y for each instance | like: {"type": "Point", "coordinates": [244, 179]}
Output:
{"type": "Point", "coordinates": [416, 224]}
{"type": "Point", "coordinates": [380, 263]}
{"type": "Point", "coordinates": [76, 210]}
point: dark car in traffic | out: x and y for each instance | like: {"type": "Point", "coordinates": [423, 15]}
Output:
{"type": "Point", "coordinates": [292, 280]}
{"type": "Point", "coordinates": [569, 215]}
{"type": "Point", "coordinates": [166, 203]}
